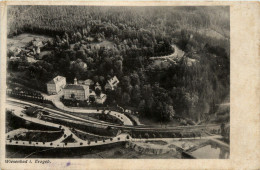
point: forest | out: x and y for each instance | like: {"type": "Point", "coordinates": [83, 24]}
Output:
{"type": "Point", "coordinates": [136, 34]}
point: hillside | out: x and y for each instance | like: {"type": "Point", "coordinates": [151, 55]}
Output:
{"type": "Point", "coordinates": [131, 36]}
{"type": "Point", "coordinates": [163, 19]}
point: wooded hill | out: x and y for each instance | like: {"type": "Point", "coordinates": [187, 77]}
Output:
{"type": "Point", "coordinates": [137, 33]}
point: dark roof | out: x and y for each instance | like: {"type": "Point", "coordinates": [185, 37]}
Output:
{"type": "Point", "coordinates": [51, 82]}
{"type": "Point", "coordinates": [74, 86]}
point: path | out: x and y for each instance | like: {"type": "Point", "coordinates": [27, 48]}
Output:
{"type": "Point", "coordinates": [178, 53]}
{"type": "Point", "coordinates": [56, 101]}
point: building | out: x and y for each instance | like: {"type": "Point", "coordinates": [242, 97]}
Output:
{"type": "Point", "coordinates": [56, 85]}
{"type": "Point", "coordinates": [38, 50]}
{"type": "Point", "coordinates": [101, 99]}
{"type": "Point", "coordinates": [76, 91]}
{"type": "Point", "coordinates": [15, 50]}
{"type": "Point", "coordinates": [112, 83]}
{"type": "Point", "coordinates": [12, 58]}
{"type": "Point", "coordinates": [93, 97]}
{"type": "Point", "coordinates": [30, 59]}
{"type": "Point", "coordinates": [87, 82]}
{"type": "Point", "coordinates": [37, 43]}
{"type": "Point", "coordinates": [97, 86]}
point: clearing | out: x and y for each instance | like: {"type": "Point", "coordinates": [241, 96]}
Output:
{"type": "Point", "coordinates": [22, 40]}
{"type": "Point", "coordinates": [105, 43]}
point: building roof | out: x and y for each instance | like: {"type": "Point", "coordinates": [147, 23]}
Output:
{"type": "Point", "coordinates": [101, 96]}
{"type": "Point", "coordinates": [76, 87]}
{"type": "Point", "coordinates": [113, 81]}
{"type": "Point", "coordinates": [56, 80]}
{"type": "Point", "coordinates": [89, 82]}
{"type": "Point", "coordinates": [86, 82]}
{"type": "Point", "coordinates": [81, 82]}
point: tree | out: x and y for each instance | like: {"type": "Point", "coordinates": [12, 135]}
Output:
{"type": "Point", "coordinates": [168, 112]}
{"type": "Point", "coordinates": [89, 60]}
{"type": "Point", "coordinates": [129, 89]}
{"type": "Point", "coordinates": [136, 95]}
{"type": "Point", "coordinates": [58, 39]}
{"type": "Point", "coordinates": [118, 94]}
{"type": "Point", "coordinates": [102, 80]}
{"type": "Point", "coordinates": [78, 36]}
{"type": "Point", "coordinates": [64, 64]}
{"type": "Point", "coordinates": [147, 92]}
{"type": "Point", "coordinates": [191, 100]}
{"type": "Point", "coordinates": [97, 91]}
{"type": "Point", "coordinates": [126, 98]}
{"type": "Point", "coordinates": [135, 79]}
{"type": "Point", "coordinates": [141, 106]}
{"type": "Point", "coordinates": [119, 67]}
{"type": "Point", "coordinates": [80, 54]}
{"type": "Point", "coordinates": [125, 82]}
{"type": "Point", "coordinates": [95, 79]}
{"type": "Point", "coordinates": [10, 53]}
{"type": "Point", "coordinates": [78, 67]}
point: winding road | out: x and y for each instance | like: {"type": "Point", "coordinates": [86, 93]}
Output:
{"type": "Point", "coordinates": [178, 53]}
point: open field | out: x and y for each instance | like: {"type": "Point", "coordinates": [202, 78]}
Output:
{"type": "Point", "coordinates": [23, 40]}
{"type": "Point", "coordinates": [105, 43]}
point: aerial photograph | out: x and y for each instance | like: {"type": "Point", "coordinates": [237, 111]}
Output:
{"type": "Point", "coordinates": [117, 82]}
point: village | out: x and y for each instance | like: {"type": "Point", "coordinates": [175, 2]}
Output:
{"type": "Point", "coordinates": [27, 49]}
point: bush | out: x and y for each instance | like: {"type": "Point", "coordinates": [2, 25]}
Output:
{"type": "Point", "coordinates": [118, 153]}
{"type": "Point", "coordinates": [146, 135]}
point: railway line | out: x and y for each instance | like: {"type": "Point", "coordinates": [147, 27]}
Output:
{"type": "Point", "coordinates": [22, 104]}
{"type": "Point", "coordinates": [80, 143]}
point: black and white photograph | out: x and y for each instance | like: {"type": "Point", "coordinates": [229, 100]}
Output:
{"type": "Point", "coordinates": [117, 82]}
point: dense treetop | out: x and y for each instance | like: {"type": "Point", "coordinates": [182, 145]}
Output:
{"type": "Point", "coordinates": [189, 88]}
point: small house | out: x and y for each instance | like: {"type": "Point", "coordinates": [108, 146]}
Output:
{"type": "Point", "coordinates": [97, 86]}
{"type": "Point", "coordinates": [101, 99]}
{"type": "Point", "coordinates": [112, 83]}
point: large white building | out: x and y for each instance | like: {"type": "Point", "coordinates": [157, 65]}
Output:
{"type": "Point", "coordinates": [56, 85]}
{"type": "Point", "coordinates": [76, 91]}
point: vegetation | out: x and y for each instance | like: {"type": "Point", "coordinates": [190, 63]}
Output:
{"type": "Point", "coordinates": [87, 136]}
{"type": "Point", "coordinates": [38, 136]}
{"type": "Point", "coordinates": [164, 134]}
{"type": "Point", "coordinates": [190, 88]}
{"type": "Point", "coordinates": [14, 122]}
{"type": "Point", "coordinates": [108, 118]}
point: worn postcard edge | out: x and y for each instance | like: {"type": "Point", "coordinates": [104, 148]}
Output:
{"type": "Point", "coordinates": [244, 94]}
